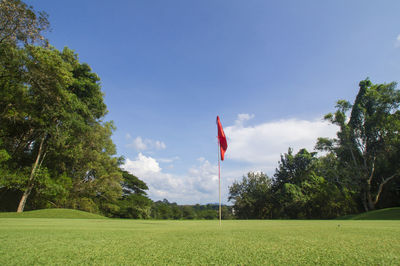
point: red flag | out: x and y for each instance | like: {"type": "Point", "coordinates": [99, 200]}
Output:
{"type": "Point", "coordinates": [222, 139]}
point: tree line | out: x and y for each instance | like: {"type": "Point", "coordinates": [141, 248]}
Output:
{"type": "Point", "coordinates": [166, 210]}
{"type": "Point", "coordinates": [358, 171]}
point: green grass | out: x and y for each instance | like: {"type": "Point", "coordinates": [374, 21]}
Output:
{"type": "Point", "coordinates": [52, 213]}
{"type": "Point", "coordinates": [384, 214]}
{"type": "Point", "coordinates": [144, 242]}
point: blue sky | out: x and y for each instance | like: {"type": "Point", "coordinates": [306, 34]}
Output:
{"type": "Point", "coordinates": [269, 69]}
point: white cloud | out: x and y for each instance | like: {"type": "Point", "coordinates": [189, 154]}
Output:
{"type": "Point", "coordinates": [262, 144]}
{"type": "Point", "coordinates": [142, 165]}
{"type": "Point", "coordinates": [198, 185]}
{"type": "Point", "coordinates": [168, 160]}
{"type": "Point", "coordinates": [397, 43]}
{"type": "Point", "coordinates": [243, 118]}
{"type": "Point", "coordinates": [204, 177]}
{"type": "Point", "coordinates": [149, 170]}
{"type": "Point", "coordinates": [146, 144]}
{"type": "Point", "coordinates": [138, 144]}
{"type": "Point", "coordinates": [159, 145]}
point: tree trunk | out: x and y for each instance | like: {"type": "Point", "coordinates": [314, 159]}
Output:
{"type": "Point", "coordinates": [384, 181]}
{"type": "Point", "coordinates": [371, 203]}
{"type": "Point", "coordinates": [368, 203]}
{"type": "Point", "coordinates": [29, 188]}
{"type": "Point", "coordinates": [24, 197]}
{"type": "Point", "coordinates": [364, 200]}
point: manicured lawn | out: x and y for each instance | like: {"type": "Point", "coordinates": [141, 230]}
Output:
{"type": "Point", "coordinates": [111, 242]}
{"type": "Point", "coordinates": [52, 213]}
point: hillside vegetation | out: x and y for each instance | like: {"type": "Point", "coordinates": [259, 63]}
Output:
{"type": "Point", "coordinates": [383, 214]}
{"type": "Point", "coordinates": [52, 213]}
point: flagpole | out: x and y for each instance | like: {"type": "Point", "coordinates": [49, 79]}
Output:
{"type": "Point", "coordinates": [219, 182]}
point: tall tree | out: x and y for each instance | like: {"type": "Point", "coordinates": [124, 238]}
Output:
{"type": "Point", "coordinates": [43, 110]}
{"type": "Point", "coordinates": [368, 143]}
{"type": "Point", "coordinates": [134, 202]}
{"type": "Point", "coordinates": [20, 26]}
{"type": "Point", "coordinates": [52, 112]}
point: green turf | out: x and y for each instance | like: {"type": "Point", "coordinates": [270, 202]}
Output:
{"type": "Point", "coordinates": [384, 214]}
{"type": "Point", "coordinates": [52, 213]}
{"type": "Point", "coordinates": [144, 242]}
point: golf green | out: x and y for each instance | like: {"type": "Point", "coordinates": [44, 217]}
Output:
{"type": "Point", "coordinates": [112, 241]}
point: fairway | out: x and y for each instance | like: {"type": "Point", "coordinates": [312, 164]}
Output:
{"type": "Point", "coordinates": [109, 241]}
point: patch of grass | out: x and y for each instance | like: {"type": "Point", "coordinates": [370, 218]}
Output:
{"type": "Point", "coordinates": [52, 213]}
{"type": "Point", "coordinates": [145, 242]}
{"type": "Point", "coordinates": [383, 214]}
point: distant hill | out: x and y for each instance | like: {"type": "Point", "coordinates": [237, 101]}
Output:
{"type": "Point", "coordinates": [383, 214]}
{"type": "Point", "coordinates": [52, 213]}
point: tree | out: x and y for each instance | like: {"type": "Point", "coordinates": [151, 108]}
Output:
{"type": "Point", "coordinates": [134, 202]}
{"type": "Point", "coordinates": [292, 172]}
{"type": "Point", "coordinates": [21, 23]}
{"type": "Point", "coordinates": [293, 169]}
{"type": "Point", "coordinates": [305, 188]}
{"type": "Point", "coordinates": [176, 212]}
{"type": "Point", "coordinates": [368, 143]}
{"type": "Point", "coordinates": [51, 125]}
{"type": "Point", "coordinates": [25, 70]}
{"type": "Point", "coordinates": [252, 196]}
{"type": "Point", "coordinates": [161, 210]}
{"type": "Point", "coordinates": [132, 185]}
{"type": "Point", "coordinates": [188, 212]}
{"type": "Point", "coordinates": [208, 214]}
{"type": "Point", "coordinates": [226, 212]}
{"type": "Point", "coordinates": [44, 113]}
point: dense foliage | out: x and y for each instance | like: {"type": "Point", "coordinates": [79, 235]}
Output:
{"type": "Point", "coordinates": [55, 148]}
{"type": "Point", "coordinates": [359, 171]}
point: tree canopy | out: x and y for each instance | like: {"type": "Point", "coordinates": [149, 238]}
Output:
{"type": "Point", "coordinates": [368, 143]}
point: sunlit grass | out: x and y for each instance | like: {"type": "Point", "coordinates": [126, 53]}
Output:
{"type": "Point", "coordinates": [52, 213]}
{"type": "Point", "coordinates": [111, 242]}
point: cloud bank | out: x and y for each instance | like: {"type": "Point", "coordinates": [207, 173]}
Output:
{"type": "Point", "coordinates": [262, 144]}
{"type": "Point", "coordinates": [198, 185]}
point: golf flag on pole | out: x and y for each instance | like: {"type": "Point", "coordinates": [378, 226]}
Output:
{"type": "Point", "coordinates": [223, 145]}
{"type": "Point", "coordinates": [222, 139]}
